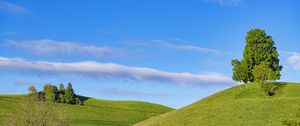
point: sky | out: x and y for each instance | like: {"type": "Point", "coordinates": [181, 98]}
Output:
{"type": "Point", "coordinates": [168, 52]}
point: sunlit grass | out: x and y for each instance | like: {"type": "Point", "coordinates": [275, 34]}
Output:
{"type": "Point", "coordinates": [95, 112]}
{"type": "Point", "coordinates": [238, 106]}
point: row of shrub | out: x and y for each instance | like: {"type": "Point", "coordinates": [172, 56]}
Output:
{"type": "Point", "coordinates": [51, 93]}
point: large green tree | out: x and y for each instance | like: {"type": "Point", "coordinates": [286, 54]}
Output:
{"type": "Point", "coordinates": [260, 48]}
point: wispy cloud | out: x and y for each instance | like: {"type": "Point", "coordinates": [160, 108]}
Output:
{"type": "Point", "coordinates": [158, 43]}
{"type": "Point", "coordinates": [48, 47]}
{"type": "Point", "coordinates": [10, 7]}
{"type": "Point", "coordinates": [166, 44]}
{"type": "Point", "coordinates": [125, 92]}
{"type": "Point", "coordinates": [112, 70]}
{"type": "Point", "coordinates": [294, 61]}
{"type": "Point", "coordinates": [225, 2]}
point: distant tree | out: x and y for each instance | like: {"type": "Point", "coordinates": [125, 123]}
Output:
{"type": "Point", "coordinates": [70, 95]}
{"type": "Point", "coordinates": [259, 48]}
{"type": "Point", "coordinates": [33, 93]}
{"type": "Point", "coordinates": [32, 90]}
{"type": "Point", "coordinates": [62, 98]}
{"type": "Point", "coordinates": [50, 92]}
{"type": "Point", "coordinates": [61, 88]}
{"type": "Point", "coordinates": [61, 94]}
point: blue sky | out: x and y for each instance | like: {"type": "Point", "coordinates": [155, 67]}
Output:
{"type": "Point", "coordinates": [168, 52]}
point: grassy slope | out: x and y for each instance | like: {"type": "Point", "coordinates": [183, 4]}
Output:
{"type": "Point", "coordinates": [96, 112]}
{"type": "Point", "coordinates": [237, 106]}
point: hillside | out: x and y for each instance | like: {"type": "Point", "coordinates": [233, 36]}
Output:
{"type": "Point", "coordinates": [238, 106]}
{"type": "Point", "coordinates": [96, 112]}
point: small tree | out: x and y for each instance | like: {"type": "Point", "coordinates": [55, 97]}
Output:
{"type": "Point", "coordinates": [33, 93]}
{"type": "Point", "coordinates": [62, 88]}
{"type": "Point", "coordinates": [62, 98]}
{"type": "Point", "coordinates": [70, 95]}
{"type": "Point", "coordinates": [32, 90]}
{"type": "Point", "coordinates": [50, 92]}
{"type": "Point", "coordinates": [61, 94]}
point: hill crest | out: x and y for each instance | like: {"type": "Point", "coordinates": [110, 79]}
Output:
{"type": "Point", "coordinates": [240, 105]}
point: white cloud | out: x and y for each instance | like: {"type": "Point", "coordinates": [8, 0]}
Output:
{"type": "Point", "coordinates": [157, 43]}
{"type": "Point", "coordinates": [184, 46]}
{"type": "Point", "coordinates": [46, 47]}
{"type": "Point", "coordinates": [111, 70]}
{"type": "Point", "coordinates": [6, 6]}
{"type": "Point", "coordinates": [225, 2]}
{"type": "Point", "coordinates": [166, 44]}
{"type": "Point", "coordinates": [188, 47]}
{"type": "Point", "coordinates": [294, 61]}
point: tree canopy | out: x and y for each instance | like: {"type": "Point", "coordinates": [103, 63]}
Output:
{"type": "Point", "coordinates": [69, 94]}
{"type": "Point", "coordinates": [260, 48]}
{"type": "Point", "coordinates": [50, 92]}
{"type": "Point", "coordinates": [262, 72]}
{"type": "Point", "coordinates": [32, 89]}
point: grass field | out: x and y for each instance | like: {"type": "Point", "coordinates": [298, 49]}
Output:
{"type": "Point", "coordinates": [243, 105]}
{"type": "Point", "coordinates": [95, 112]}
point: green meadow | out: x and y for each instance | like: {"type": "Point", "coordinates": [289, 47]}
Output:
{"type": "Point", "coordinates": [94, 112]}
{"type": "Point", "coordinates": [238, 106]}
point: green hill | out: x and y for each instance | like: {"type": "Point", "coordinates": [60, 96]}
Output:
{"type": "Point", "coordinates": [238, 106]}
{"type": "Point", "coordinates": [95, 112]}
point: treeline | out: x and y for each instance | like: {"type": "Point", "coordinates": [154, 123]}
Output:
{"type": "Point", "coordinates": [51, 93]}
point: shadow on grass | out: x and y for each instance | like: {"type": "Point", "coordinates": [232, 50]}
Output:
{"type": "Point", "coordinates": [280, 85]}
{"type": "Point", "coordinates": [83, 98]}
{"type": "Point", "coordinates": [275, 87]}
